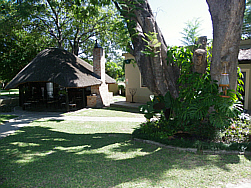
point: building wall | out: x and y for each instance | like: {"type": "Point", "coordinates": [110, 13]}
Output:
{"type": "Point", "coordinates": [246, 44]}
{"type": "Point", "coordinates": [247, 101]}
{"type": "Point", "coordinates": [113, 88]}
{"type": "Point", "coordinates": [133, 80]}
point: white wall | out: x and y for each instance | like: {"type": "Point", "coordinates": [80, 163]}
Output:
{"type": "Point", "coordinates": [133, 80]}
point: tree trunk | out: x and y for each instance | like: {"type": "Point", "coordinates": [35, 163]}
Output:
{"type": "Point", "coordinates": [227, 18]}
{"type": "Point", "coordinates": [158, 76]}
{"type": "Point", "coordinates": [75, 48]}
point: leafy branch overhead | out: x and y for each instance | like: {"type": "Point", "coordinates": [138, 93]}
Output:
{"type": "Point", "coordinates": [71, 25]}
{"type": "Point", "coordinates": [152, 46]}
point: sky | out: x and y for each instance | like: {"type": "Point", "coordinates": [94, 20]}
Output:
{"type": "Point", "coordinates": [172, 15]}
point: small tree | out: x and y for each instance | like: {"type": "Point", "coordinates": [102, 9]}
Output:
{"type": "Point", "coordinates": [191, 32]}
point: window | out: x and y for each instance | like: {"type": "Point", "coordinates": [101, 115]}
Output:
{"type": "Point", "coordinates": [142, 83]}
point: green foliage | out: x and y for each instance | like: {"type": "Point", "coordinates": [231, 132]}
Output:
{"type": "Point", "coordinates": [240, 83]}
{"type": "Point", "coordinates": [156, 106]}
{"type": "Point", "coordinates": [239, 131]}
{"type": "Point", "coordinates": [191, 32]}
{"type": "Point", "coordinates": [18, 45]}
{"type": "Point", "coordinates": [246, 29]}
{"type": "Point", "coordinates": [115, 70]}
{"type": "Point", "coordinates": [29, 26]}
{"type": "Point", "coordinates": [152, 44]}
{"type": "Point", "coordinates": [73, 25]}
{"type": "Point", "coordinates": [148, 109]}
{"type": "Point", "coordinates": [199, 111]}
{"type": "Point", "coordinates": [152, 131]}
{"type": "Point", "coordinates": [199, 100]}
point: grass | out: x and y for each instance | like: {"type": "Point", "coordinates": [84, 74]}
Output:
{"type": "Point", "coordinates": [56, 153]}
{"type": "Point", "coordinates": [4, 118]}
{"type": "Point", "coordinates": [109, 112]}
{"type": "Point", "coordinates": [9, 93]}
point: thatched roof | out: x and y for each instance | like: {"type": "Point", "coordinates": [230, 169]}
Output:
{"type": "Point", "coordinates": [58, 66]}
{"type": "Point", "coordinates": [244, 55]}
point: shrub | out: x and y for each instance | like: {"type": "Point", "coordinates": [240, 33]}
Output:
{"type": "Point", "coordinates": [199, 111]}
{"type": "Point", "coordinates": [239, 131]}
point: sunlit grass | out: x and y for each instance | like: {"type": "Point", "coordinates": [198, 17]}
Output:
{"type": "Point", "coordinates": [5, 117]}
{"type": "Point", "coordinates": [11, 92]}
{"type": "Point", "coordinates": [109, 112]}
{"type": "Point", "coordinates": [101, 154]}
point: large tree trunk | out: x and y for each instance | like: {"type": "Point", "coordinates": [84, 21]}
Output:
{"type": "Point", "coordinates": [227, 18]}
{"type": "Point", "coordinates": [158, 76]}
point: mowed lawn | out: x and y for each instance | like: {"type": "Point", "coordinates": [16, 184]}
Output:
{"type": "Point", "coordinates": [4, 117]}
{"type": "Point", "coordinates": [55, 153]}
{"type": "Point", "coordinates": [9, 93]}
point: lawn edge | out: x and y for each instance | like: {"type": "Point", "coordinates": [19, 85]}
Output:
{"type": "Point", "coordinates": [193, 150]}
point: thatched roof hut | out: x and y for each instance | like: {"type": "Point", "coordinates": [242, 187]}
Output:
{"type": "Point", "coordinates": [60, 67]}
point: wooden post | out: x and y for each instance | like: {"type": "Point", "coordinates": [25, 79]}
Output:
{"type": "Point", "coordinates": [21, 95]}
{"type": "Point", "coordinates": [84, 103]}
{"type": "Point", "coordinates": [67, 100]}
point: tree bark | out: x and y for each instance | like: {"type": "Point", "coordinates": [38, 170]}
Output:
{"type": "Point", "coordinates": [159, 76]}
{"type": "Point", "coordinates": [200, 56]}
{"type": "Point", "coordinates": [227, 18]}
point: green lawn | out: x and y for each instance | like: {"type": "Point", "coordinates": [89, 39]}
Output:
{"type": "Point", "coordinates": [5, 118]}
{"type": "Point", "coordinates": [109, 112]}
{"type": "Point", "coordinates": [10, 93]}
{"type": "Point", "coordinates": [55, 153]}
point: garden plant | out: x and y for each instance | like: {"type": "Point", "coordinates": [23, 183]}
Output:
{"type": "Point", "coordinates": [199, 113]}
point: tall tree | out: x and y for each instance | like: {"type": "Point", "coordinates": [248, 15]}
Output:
{"type": "Point", "coordinates": [18, 46]}
{"type": "Point", "coordinates": [29, 26]}
{"type": "Point", "coordinates": [157, 74]}
{"type": "Point", "coordinates": [73, 24]}
{"type": "Point", "coordinates": [227, 18]}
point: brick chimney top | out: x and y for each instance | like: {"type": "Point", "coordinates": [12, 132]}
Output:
{"type": "Point", "coordinates": [99, 61]}
{"type": "Point", "coordinates": [97, 45]}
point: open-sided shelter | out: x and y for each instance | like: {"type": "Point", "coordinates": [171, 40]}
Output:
{"type": "Point", "coordinates": [57, 78]}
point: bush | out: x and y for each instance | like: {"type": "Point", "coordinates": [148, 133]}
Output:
{"type": "Point", "coordinates": [198, 114]}
{"type": "Point", "coordinates": [163, 138]}
{"type": "Point", "coordinates": [239, 131]}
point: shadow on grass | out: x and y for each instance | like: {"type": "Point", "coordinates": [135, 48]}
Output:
{"type": "Point", "coordinates": [248, 157]}
{"type": "Point", "coordinates": [5, 117]}
{"type": "Point", "coordinates": [125, 109]}
{"type": "Point", "coordinates": [40, 157]}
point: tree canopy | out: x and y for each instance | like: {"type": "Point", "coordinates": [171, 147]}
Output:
{"type": "Point", "coordinates": [74, 24]}
{"type": "Point", "coordinates": [69, 24]}
{"type": "Point", "coordinates": [246, 29]}
{"type": "Point", "coordinates": [18, 45]}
